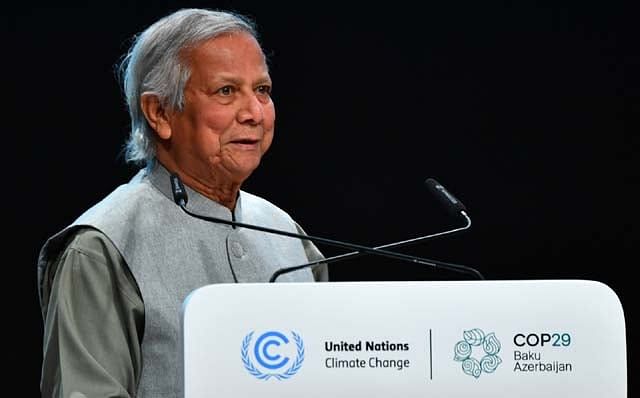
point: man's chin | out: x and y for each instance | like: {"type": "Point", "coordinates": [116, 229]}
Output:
{"type": "Point", "coordinates": [241, 170]}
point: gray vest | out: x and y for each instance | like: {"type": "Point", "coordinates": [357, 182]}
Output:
{"type": "Point", "coordinates": [171, 253]}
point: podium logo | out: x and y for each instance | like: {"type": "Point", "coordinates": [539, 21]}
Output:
{"type": "Point", "coordinates": [489, 359]}
{"type": "Point", "coordinates": [268, 352]}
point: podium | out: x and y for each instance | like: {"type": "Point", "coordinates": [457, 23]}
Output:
{"type": "Point", "coordinates": [537, 338]}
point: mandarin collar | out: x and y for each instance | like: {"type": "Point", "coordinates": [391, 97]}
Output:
{"type": "Point", "coordinates": [160, 178]}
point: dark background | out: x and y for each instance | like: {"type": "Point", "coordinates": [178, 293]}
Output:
{"type": "Point", "coordinates": [527, 111]}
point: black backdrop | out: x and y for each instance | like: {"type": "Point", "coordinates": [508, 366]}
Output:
{"type": "Point", "coordinates": [527, 112]}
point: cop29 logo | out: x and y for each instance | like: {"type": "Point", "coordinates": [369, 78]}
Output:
{"type": "Point", "coordinates": [489, 361]}
{"type": "Point", "coordinates": [270, 352]}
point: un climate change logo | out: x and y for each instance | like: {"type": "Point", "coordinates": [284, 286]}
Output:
{"type": "Point", "coordinates": [269, 360]}
{"type": "Point", "coordinates": [490, 345]}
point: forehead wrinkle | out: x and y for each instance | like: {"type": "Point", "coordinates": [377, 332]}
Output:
{"type": "Point", "coordinates": [223, 77]}
{"type": "Point", "coordinates": [222, 63]}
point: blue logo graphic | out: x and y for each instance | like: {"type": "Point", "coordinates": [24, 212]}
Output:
{"type": "Point", "coordinates": [265, 351]}
{"type": "Point", "coordinates": [490, 345]}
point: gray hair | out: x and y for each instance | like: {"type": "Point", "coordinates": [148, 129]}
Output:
{"type": "Point", "coordinates": [153, 65]}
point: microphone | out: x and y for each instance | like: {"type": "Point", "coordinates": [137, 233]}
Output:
{"type": "Point", "coordinates": [453, 205]}
{"type": "Point", "coordinates": [179, 193]}
{"type": "Point", "coordinates": [449, 202]}
{"type": "Point", "coordinates": [180, 197]}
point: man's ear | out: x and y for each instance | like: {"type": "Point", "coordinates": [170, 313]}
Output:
{"type": "Point", "coordinates": [156, 115]}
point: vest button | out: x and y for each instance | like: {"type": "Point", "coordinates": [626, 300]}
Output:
{"type": "Point", "coordinates": [236, 249]}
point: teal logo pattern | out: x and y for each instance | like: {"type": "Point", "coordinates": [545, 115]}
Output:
{"type": "Point", "coordinates": [488, 360]}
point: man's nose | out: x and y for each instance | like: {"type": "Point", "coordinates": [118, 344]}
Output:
{"type": "Point", "coordinates": [251, 110]}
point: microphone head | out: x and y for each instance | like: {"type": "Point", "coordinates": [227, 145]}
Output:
{"type": "Point", "coordinates": [179, 192]}
{"type": "Point", "coordinates": [449, 201]}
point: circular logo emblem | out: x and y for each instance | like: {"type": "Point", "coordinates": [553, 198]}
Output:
{"type": "Point", "coordinates": [268, 351]}
{"type": "Point", "coordinates": [489, 361]}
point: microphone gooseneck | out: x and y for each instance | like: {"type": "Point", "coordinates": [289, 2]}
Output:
{"type": "Point", "coordinates": [355, 254]}
{"type": "Point", "coordinates": [181, 199]}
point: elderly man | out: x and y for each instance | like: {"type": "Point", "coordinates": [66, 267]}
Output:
{"type": "Point", "coordinates": [112, 283]}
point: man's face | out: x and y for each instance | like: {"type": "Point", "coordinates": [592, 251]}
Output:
{"type": "Point", "coordinates": [228, 118]}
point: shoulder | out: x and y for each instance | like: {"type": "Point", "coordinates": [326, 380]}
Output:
{"type": "Point", "coordinates": [254, 206]}
{"type": "Point", "coordinates": [79, 245]}
{"type": "Point", "coordinates": [124, 202]}
{"type": "Point", "coordinates": [84, 256]}
{"type": "Point", "coordinates": [92, 243]}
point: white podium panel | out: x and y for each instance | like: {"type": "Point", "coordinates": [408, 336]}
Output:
{"type": "Point", "coordinates": [556, 338]}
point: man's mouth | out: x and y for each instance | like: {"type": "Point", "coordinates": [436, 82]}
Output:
{"type": "Point", "coordinates": [246, 141]}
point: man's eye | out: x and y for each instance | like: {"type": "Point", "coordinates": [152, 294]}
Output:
{"type": "Point", "coordinates": [226, 90]}
{"type": "Point", "coordinates": [264, 89]}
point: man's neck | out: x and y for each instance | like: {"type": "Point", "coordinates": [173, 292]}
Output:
{"type": "Point", "coordinates": [218, 189]}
